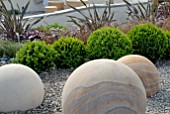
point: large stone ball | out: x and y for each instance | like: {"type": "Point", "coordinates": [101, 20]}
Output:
{"type": "Point", "coordinates": [146, 70]}
{"type": "Point", "coordinates": [20, 88]}
{"type": "Point", "coordinates": [103, 86]}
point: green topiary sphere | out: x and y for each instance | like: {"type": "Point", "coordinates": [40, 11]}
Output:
{"type": "Point", "coordinates": [149, 41]}
{"type": "Point", "coordinates": [72, 52]}
{"type": "Point", "coordinates": [37, 55]}
{"type": "Point", "coordinates": [108, 43]}
{"type": "Point", "coordinates": [167, 33]}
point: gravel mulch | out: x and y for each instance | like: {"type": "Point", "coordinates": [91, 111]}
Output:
{"type": "Point", "coordinates": [160, 102]}
{"type": "Point", "coordinates": [55, 80]}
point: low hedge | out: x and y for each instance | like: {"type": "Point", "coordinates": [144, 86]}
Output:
{"type": "Point", "coordinates": [109, 43]}
{"type": "Point", "coordinates": [149, 41]}
{"type": "Point", "coordinates": [72, 52]}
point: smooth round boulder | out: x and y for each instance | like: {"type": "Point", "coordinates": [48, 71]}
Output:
{"type": "Point", "coordinates": [146, 71]}
{"type": "Point", "coordinates": [103, 86]}
{"type": "Point", "coordinates": [20, 88]}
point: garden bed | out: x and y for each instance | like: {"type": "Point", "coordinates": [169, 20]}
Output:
{"type": "Point", "coordinates": [64, 48]}
{"type": "Point", "coordinates": [54, 82]}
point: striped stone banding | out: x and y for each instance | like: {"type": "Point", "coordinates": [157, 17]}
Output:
{"type": "Point", "coordinates": [122, 110]}
{"type": "Point", "coordinates": [147, 86]}
{"type": "Point", "coordinates": [103, 97]}
{"type": "Point", "coordinates": [143, 65]}
{"type": "Point", "coordinates": [151, 91]}
{"type": "Point", "coordinates": [148, 82]}
{"type": "Point", "coordinates": [149, 76]}
{"type": "Point", "coordinates": [147, 72]}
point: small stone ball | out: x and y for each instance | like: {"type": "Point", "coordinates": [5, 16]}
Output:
{"type": "Point", "coordinates": [20, 88]}
{"type": "Point", "coordinates": [103, 86]}
{"type": "Point", "coordinates": [146, 71]}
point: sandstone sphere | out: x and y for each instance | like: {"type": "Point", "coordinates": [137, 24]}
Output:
{"type": "Point", "coordinates": [146, 71]}
{"type": "Point", "coordinates": [103, 86]}
{"type": "Point", "coordinates": [20, 88]}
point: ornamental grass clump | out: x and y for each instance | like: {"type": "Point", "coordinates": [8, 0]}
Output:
{"type": "Point", "coordinates": [12, 24]}
{"type": "Point", "coordinates": [93, 20]}
{"type": "Point", "coordinates": [109, 43]}
{"type": "Point", "coordinates": [9, 48]}
{"type": "Point", "coordinates": [71, 52]}
{"type": "Point", "coordinates": [37, 55]}
{"type": "Point", "coordinates": [148, 11]}
{"type": "Point", "coordinates": [149, 41]}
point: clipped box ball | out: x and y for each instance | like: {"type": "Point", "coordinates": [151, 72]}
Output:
{"type": "Point", "coordinates": [103, 87]}
{"type": "Point", "coordinates": [146, 71]}
{"type": "Point", "coordinates": [20, 88]}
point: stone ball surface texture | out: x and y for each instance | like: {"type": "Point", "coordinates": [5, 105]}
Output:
{"type": "Point", "coordinates": [20, 88]}
{"type": "Point", "coordinates": [103, 86]}
{"type": "Point", "coordinates": [146, 71]}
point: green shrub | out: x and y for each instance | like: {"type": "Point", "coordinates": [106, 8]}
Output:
{"type": "Point", "coordinates": [16, 11]}
{"type": "Point", "coordinates": [47, 28]}
{"type": "Point", "coordinates": [9, 48]}
{"type": "Point", "coordinates": [108, 43]}
{"type": "Point", "coordinates": [167, 33]}
{"type": "Point", "coordinates": [37, 55]}
{"type": "Point", "coordinates": [72, 52]}
{"type": "Point", "coordinates": [149, 41]}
